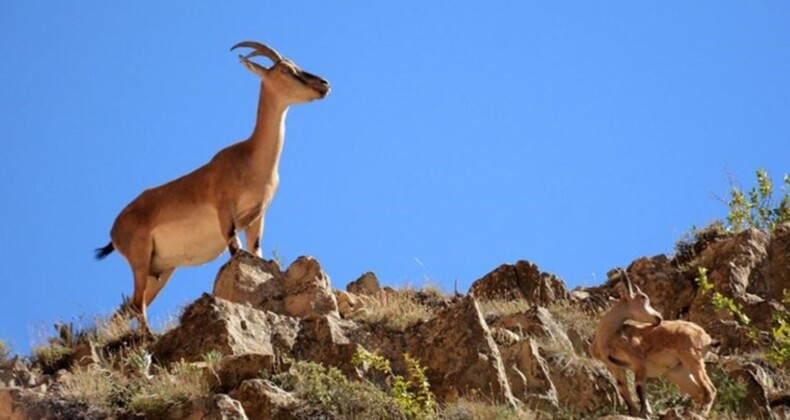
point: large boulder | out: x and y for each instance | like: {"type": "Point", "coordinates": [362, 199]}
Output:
{"type": "Point", "coordinates": [778, 264]}
{"type": "Point", "coordinates": [325, 340]}
{"type": "Point", "coordinates": [214, 324]}
{"type": "Point", "coordinates": [366, 284]}
{"type": "Point", "coordinates": [522, 280]}
{"type": "Point", "coordinates": [215, 407]}
{"type": "Point", "coordinates": [303, 290]}
{"type": "Point", "coordinates": [262, 400]}
{"type": "Point", "coordinates": [460, 355]}
{"type": "Point", "coordinates": [251, 280]}
{"type": "Point", "coordinates": [529, 375]}
{"type": "Point", "coordinates": [537, 322]}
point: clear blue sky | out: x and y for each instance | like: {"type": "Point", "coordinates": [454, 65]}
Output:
{"type": "Point", "coordinates": [459, 135]}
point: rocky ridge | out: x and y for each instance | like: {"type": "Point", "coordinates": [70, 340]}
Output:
{"type": "Point", "coordinates": [517, 340]}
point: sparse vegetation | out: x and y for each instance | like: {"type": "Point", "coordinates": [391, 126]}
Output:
{"type": "Point", "coordinates": [396, 311]}
{"type": "Point", "coordinates": [412, 395]}
{"type": "Point", "coordinates": [498, 308]}
{"type": "Point", "coordinates": [5, 350]}
{"type": "Point", "coordinates": [465, 409]}
{"type": "Point", "coordinates": [757, 208]}
{"type": "Point", "coordinates": [718, 300]}
{"type": "Point", "coordinates": [326, 391]}
{"type": "Point", "coordinates": [779, 352]}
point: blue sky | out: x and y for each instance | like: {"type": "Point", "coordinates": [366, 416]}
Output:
{"type": "Point", "coordinates": [459, 135]}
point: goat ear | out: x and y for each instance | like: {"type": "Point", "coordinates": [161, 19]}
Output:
{"type": "Point", "coordinates": [254, 67]}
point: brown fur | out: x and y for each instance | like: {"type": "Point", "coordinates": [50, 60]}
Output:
{"type": "Point", "coordinates": [676, 349]}
{"type": "Point", "coordinates": [192, 219]}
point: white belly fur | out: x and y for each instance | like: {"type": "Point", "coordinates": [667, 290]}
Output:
{"type": "Point", "coordinates": [193, 239]}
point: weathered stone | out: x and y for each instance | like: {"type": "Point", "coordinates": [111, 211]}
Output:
{"type": "Point", "coordinates": [216, 407]}
{"type": "Point", "coordinates": [778, 269]}
{"type": "Point", "coordinates": [367, 284]}
{"type": "Point", "coordinates": [215, 324]}
{"type": "Point", "coordinates": [324, 340]}
{"type": "Point", "coordinates": [536, 321]}
{"type": "Point", "coordinates": [460, 355]}
{"type": "Point", "coordinates": [233, 370]}
{"type": "Point", "coordinates": [307, 290]}
{"type": "Point", "coordinates": [351, 306]}
{"type": "Point", "coordinates": [22, 404]}
{"type": "Point", "coordinates": [529, 376]}
{"type": "Point", "coordinates": [670, 293]}
{"type": "Point", "coordinates": [734, 264]}
{"type": "Point", "coordinates": [580, 384]}
{"type": "Point", "coordinates": [263, 400]}
{"type": "Point", "coordinates": [522, 280]}
{"type": "Point", "coordinates": [251, 280]}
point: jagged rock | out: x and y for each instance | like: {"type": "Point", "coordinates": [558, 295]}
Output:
{"type": "Point", "coordinates": [537, 321]}
{"type": "Point", "coordinates": [22, 404]}
{"type": "Point", "coordinates": [212, 323]}
{"type": "Point", "coordinates": [303, 290]}
{"type": "Point", "coordinates": [670, 293]}
{"type": "Point", "coordinates": [680, 413]}
{"type": "Point", "coordinates": [351, 305]}
{"type": "Point", "coordinates": [15, 373]}
{"type": "Point", "coordinates": [734, 263]}
{"type": "Point", "coordinates": [263, 400]}
{"type": "Point", "coordinates": [580, 383]}
{"type": "Point", "coordinates": [778, 270]}
{"type": "Point", "coordinates": [233, 370]}
{"type": "Point", "coordinates": [367, 284]}
{"type": "Point", "coordinates": [529, 376]}
{"type": "Point", "coordinates": [504, 337]}
{"type": "Point", "coordinates": [754, 377]}
{"type": "Point", "coordinates": [217, 407]}
{"type": "Point", "coordinates": [522, 280]}
{"type": "Point", "coordinates": [251, 280]}
{"type": "Point", "coordinates": [460, 355]}
{"type": "Point", "coordinates": [324, 340]}
{"type": "Point", "coordinates": [307, 290]}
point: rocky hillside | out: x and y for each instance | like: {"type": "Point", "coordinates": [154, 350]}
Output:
{"type": "Point", "coordinates": [277, 344]}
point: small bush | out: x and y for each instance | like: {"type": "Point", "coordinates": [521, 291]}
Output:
{"type": "Point", "coordinates": [413, 395]}
{"type": "Point", "coordinates": [756, 208]}
{"type": "Point", "coordinates": [731, 393]}
{"type": "Point", "coordinates": [326, 391]}
{"type": "Point", "coordinates": [52, 358]}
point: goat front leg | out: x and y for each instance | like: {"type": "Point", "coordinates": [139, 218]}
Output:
{"type": "Point", "coordinates": [622, 387]}
{"type": "Point", "coordinates": [640, 380]}
{"type": "Point", "coordinates": [253, 234]}
{"type": "Point", "coordinates": [228, 227]}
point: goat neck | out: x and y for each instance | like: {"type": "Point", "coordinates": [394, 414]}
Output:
{"type": "Point", "coordinates": [266, 141]}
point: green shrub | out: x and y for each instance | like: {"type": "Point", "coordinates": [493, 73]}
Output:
{"type": "Point", "coordinates": [327, 392]}
{"type": "Point", "coordinates": [756, 208]}
{"type": "Point", "coordinates": [413, 395]}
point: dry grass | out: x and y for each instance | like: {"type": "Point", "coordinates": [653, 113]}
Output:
{"type": "Point", "coordinates": [465, 409]}
{"type": "Point", "coordinates": [573, 318]}
{"type": "Point", "coordinates": [5, 350]}
{"type": "Point", "coordinates": [396, 311]}
{"type": "Point", "coordinates": [498, 308]}
{"type": "Point", "coordinates": [109, 390]}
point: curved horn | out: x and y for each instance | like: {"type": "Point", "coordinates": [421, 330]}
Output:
{"type": "Point", "coordinates": [627, 281]}
{"type": "Point", "coordinates": [259, 49]}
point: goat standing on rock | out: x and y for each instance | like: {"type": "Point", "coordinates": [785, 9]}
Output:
{"type": "Point", "coordinates": [676, 349]}
{"type": "Point", "coordinates": [192, 219]}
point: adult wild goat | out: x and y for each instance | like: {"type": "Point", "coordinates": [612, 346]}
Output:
{"type": "Point", "coordinates": [192, 219]}
{"type": "Point", "coordinates": [676, 349]}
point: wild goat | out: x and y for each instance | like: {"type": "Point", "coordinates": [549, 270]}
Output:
{"type": "Point", "coordinates": [676, 349]}
{"type": "Point", "coordinates": [192, 219]}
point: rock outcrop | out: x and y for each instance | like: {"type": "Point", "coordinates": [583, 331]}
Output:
{"type": "Point", "coordinates": [261, 320]}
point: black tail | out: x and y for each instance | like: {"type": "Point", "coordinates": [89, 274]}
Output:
{"type": "Point", "coordinates": [105, 251]}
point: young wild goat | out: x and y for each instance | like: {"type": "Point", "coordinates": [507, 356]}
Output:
{"type": "Point", "coordinates": [192, 219]}
{"type": "Point", "coordinates": [676, 349]}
